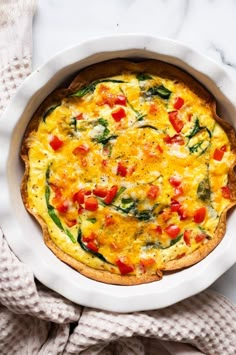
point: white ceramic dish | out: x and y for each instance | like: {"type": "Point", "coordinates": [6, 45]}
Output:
{"type": "Point", "coordinates": [23, 233]}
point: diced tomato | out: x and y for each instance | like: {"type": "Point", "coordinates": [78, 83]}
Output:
{"type": "Point", "coordinates": [158, 230]}
{"type": "Point", "coordinates": [175, 206]}
{"type": "Point", "coordinates": [120, 100]}
{"type": "Point", "coordinates": [172, 230]}
{"type": "Point", "coordinates": [79, 116]}
{"type": "Point", "coordinates": [79, 195]}
{"type": "Point", "coordinates": [225, 190]}
{"type": "Point", "coordinates": [147, 262]}
{"type": "Point", "coordinates": [158, 147]}
{"type": "Point", "coordinates": [199, 215]}
{"type": "Point", "coordinates": [62, 207]}
{"type": "Point", "coordinates": [187, 237]}
{"type": "Point", "coordinates": [124, 267]}
{"type": "Point", "coordinates": [153, 192]}
{"type": "Point", "coordinates": [174, 181]}
{"type": "Point", "coordinates": [190, 115]}
{"type": "Point", "coordinates": [91, 203]}
{"type": "Point", "coordinates": [92, 246]}
{"type": "Point", "coordinates": [71, 222]}
{"type": "Point", "coordinates": [55, 142]}
{"type": "Point", "coordinates": [153, 109]}
{"type": "Point", "coordinates": [178, 191]}
{"type": "Point", "coordinates": [176, 139]}
{"type": "Point", "coordinates": [179, 102]}
{"type": "Point", "coordinates": [100, 191]}
{"type": "Point", "coordinates": [176, 122]}
{"type": "Point", "coordinates": [91, 237]}
{"type": "Point", "coordinates": [111, 194]}
{"type": "Point", "coordinates": [218, 154]}
{"type": "Point", "coordinates": [118, 114]}
{"type": "Point", "coordinates": [109, 220]}
{"type": "Point", "coordinates": [104, 163]}
{"type": "Point", "coordinates": [200, 237]}
{"type": "Point", "coordinates": [121, 170]}
{"type": "Point", "coordinates": [81, 149]}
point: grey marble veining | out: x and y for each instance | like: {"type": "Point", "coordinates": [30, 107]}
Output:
{"type": "Point", "coordinates": [209, 26]}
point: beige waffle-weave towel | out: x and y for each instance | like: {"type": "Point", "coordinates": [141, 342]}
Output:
{"type": "Point", "coordinates": [35, 320]}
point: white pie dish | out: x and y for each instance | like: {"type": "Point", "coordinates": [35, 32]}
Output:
{"type": "Point", "coordinates": [23, 233]}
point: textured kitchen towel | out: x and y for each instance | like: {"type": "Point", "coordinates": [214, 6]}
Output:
{"type": "Point", "coordinates": [36, 320]}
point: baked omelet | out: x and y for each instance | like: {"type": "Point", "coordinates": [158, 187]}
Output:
{"type": "Point", "coordinates": [129, 171]}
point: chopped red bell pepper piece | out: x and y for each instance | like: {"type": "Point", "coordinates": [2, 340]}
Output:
{"type": "Point", "coordinates": [200, 237]}
{"type": "Point", "coordinates": [174, 181]}
{"type": "Point", "coordinates": [109, 220]}
{"type": "Point", "coordinates": [175, 139]}
{"type": "Point", "coordinates": [56, 143]}
{"type": "Point", "coordinates": [124, 267]}
{"type": "Point", "coordinates": [111, 194]}
{"type": "Point", "coordinates": [100, 191]}
{"type": "Point", "coordinates": [172, 230]}
{"type": "Point", "coordinates": [199, 215]}
{"type": "Point", "coordinates": [81, 149]}
{"type": "Point", "coordinates": [91, 203]}
{"type": "Point", "coordinates": [225, 190]}
{"type": "Point", "coordinates": [62, 207]}
{"type": "Point", "coordinates": [79, 116]}
{"type": "Point", "coordinates": [153, 192]}
{"type": "Point", "coordinates": [92, 246]}
{"type": "Point", "coordinates": [118, 114]}
{"type": "Point", "coordinates": [219, 153]}
{"type": "Point", "coordinates": [176, 122]}
{"type": "Point", "coordinates": [187, 237]}
{"type": "Point", "coordinates": [121, 170]}
{"type": "Point", "coordinates": [79, 195]}
{"type": "Point", "coordinates": [179, 102]}
{"type": "Point", "coordinates": [120, 100]}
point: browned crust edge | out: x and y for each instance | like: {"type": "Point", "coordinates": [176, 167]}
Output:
{"type": "Point", "coordinates": [111, 68]}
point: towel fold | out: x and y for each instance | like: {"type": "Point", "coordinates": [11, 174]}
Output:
{"type": "Point", "coordinates": [36, 320]}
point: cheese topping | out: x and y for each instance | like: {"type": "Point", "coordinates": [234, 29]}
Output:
{"type": "Point", "coordinates": [129, 173]}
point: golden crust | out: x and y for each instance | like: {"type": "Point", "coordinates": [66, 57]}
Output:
{"type": "Point", "coordinates": [112, 68]}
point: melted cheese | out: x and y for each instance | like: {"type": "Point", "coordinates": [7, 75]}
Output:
{"type": "Point", "coordinates": [141, 221]}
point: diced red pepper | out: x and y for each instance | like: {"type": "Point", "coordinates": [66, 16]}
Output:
{"type": "Point", "coordinates": [124, 267]}
{"type": "Point", "coordinates": [187, 237]}
{"type": "Point", "coordinates": [224, 148]}
{"type": "Point", "coordinates": [176, 122]}
{"type": "Point", "coordinates": [179, 102]}
{"type": "Point", "coordinates": [153, 109]}
{"type": "Point", "coordinates": [79, 116]}
{"type": "Point", "coordinates": [62, 207]}
{"type": "Point", "coordinates": [92, 246]}
{"type": "Point", "coordinates": [81, 149]}
{"type": "Point", "coordinates": [56, 143]}
{"type": "Point", "coordinates": [225, 190]}
{"type": "Point", "coordinates": [174, 181]}
{"type": "Point", "coordinates": [158, 147]}
{"type": "Point", "coordinates": [176, 139]}
{"type": "Point", "coordinates": [109, 220]}
{"type": "Point", "coordinates": [153, 192]}
{"type": "Point", "coordinates": [172, 230]}
{"type": "Point", "coordinates": [118, 114]}
{"type": "Point", "coordinates": [166, 215]}
{"type": "Point", "coordinates": [218, 154]}
{"type": "Point", "coordinates": [121, 170]}
{"type": "Point", "coordinates": [91, 203]}
{"type": "Point", "coordinates": [71, 222]}
{"type": "Point", "coordinates": [200, 237]}
{"type": "Point", "coordinates": [178, 191]}
{"type": "Point", "coordinates": [120, 100]}
{"type": "Point", "coordinates": [79, 195]}
{"type": "Point", "coordinates": [111, 194]}
{"type": "Point", "coordinates": [147, 262]}
{"type": "Point", "coordinates": [199, 215]}
{"type": "Point", "coordinates": [91, 237]}
{"type": "Point", "coordinates": [158, 230]}
{"type": "Point", "coordinates": [80, 210]}
{"type": "Point", "coordinates": [175, 206]}
{"type": "Point", "coordinates": [100, 191]}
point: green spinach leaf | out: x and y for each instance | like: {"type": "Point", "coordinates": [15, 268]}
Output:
{"type": "Point", "coordinates": [91, 87]}
{"type": "Point", "coordinates": [143, 77]}
{"type": "Point", "coordinates": [204, 190]}
{"type": "Point", "coordinates": [159, 90]}
{"type": "Point", "coordinates": [49, 111]}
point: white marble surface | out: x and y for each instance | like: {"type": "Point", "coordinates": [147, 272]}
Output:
{"type": "Point", "coordinates": [209, 26]}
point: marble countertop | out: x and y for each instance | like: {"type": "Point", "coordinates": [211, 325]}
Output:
{"type": "Point", "coordinates": [208, 26]}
